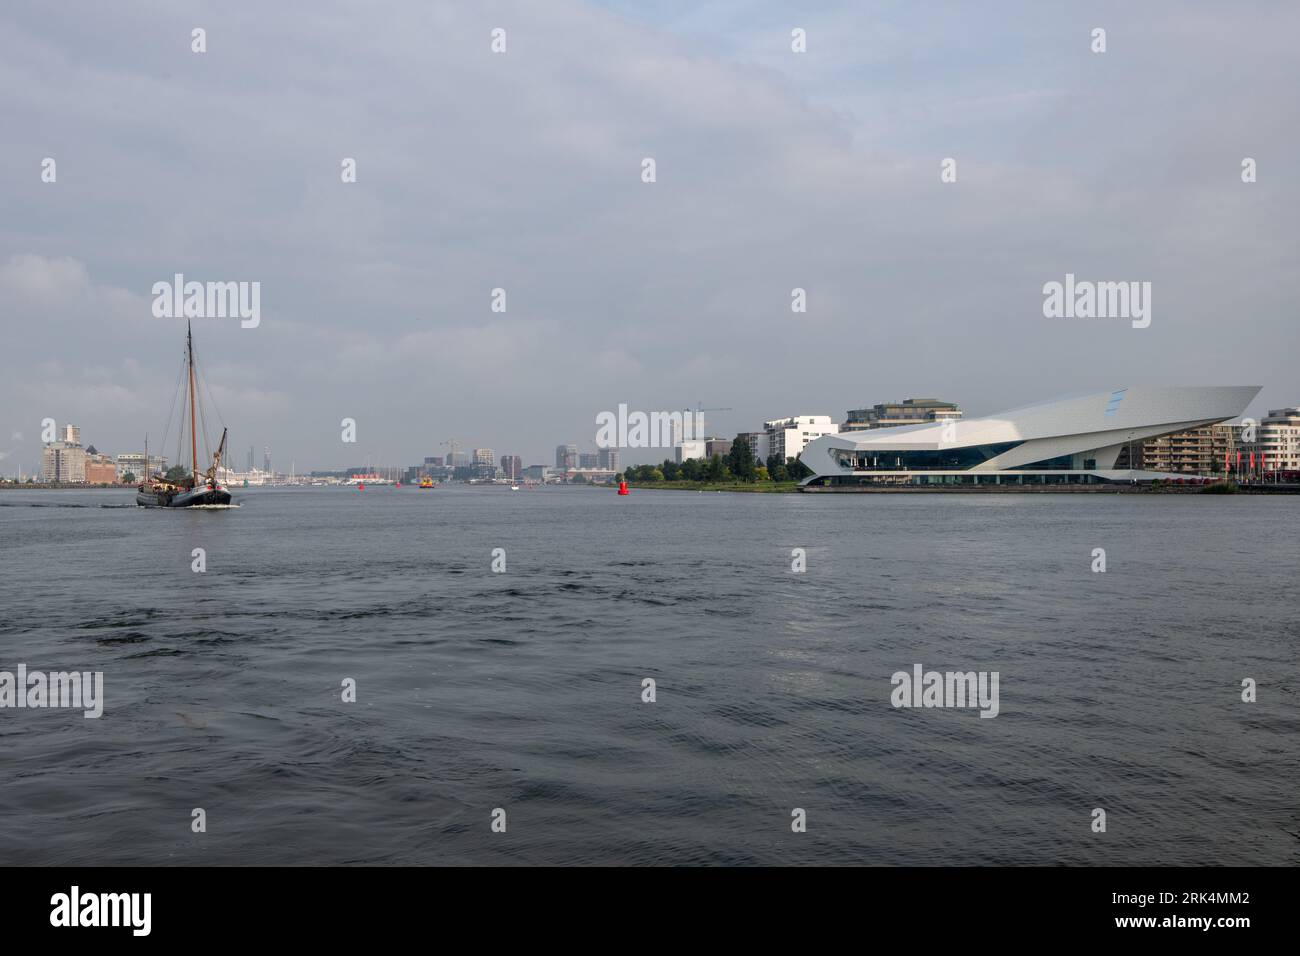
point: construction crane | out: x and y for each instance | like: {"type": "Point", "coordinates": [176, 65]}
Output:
{"type": "Point", "coordinates": [698, 411]}
{"type": "Point", "coordinates": [453, 450]}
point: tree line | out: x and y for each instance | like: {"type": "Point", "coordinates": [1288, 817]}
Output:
{"type": "Point", "coordinates": [737, 465]}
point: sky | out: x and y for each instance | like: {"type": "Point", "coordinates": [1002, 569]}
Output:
{"type": "Point", "coordinates": [522, 170]}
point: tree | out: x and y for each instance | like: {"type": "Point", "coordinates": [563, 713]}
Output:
{"type": "Point", "coordinates": [717, 470]}
{"type": "Point", "coordinates": [176, 474]}
{"type": "Point", "coordinates": [128, 478]}
{"type": "Point", "coordinates": [670, 470]}
{"type": "Point", "coordinates": [776, 469]}
{"type": "Point", "coordinates": [741, 459]}
{"type": "Point", "coordinates": [797, 469]}
{"type": "Point", "coordinates": [655, 474]}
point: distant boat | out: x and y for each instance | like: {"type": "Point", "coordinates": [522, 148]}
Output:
{"type": "Point", "coordinates": [514, 487]}
{"type": "Point", "coordinates": [194, 489]}
{"type": "Point", "coordinates": [427, 482]}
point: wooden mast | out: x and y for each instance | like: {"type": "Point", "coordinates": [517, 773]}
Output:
{"type": "Point", "coordinates": [194, 438]}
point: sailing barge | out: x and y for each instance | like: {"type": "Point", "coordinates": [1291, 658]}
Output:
{"type": "Point", "coordinates": [197, 488]}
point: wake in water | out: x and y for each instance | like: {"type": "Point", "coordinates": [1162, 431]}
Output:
{"type": "Point", "coordinates": [50, 504]}
{"type": "Point", "coordinates": [45, 504]}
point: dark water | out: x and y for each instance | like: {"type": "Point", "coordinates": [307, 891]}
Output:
{"type": "Point", "coordinates": [522, 690]}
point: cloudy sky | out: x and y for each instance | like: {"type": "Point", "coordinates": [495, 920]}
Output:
{"type": "Point", "coordinates": [522, 170]}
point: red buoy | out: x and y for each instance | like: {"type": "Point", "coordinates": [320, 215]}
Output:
{"type": "Point", "coordinates": [622, 488]}
{"type": "Point", "coordinates": [361, 487]}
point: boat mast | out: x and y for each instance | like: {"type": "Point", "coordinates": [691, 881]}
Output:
{"type": "Point", "coordinates": [194, 438]}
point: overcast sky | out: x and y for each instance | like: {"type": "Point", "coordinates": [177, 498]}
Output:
{"type": "Point", "coordinates": [522, 170]}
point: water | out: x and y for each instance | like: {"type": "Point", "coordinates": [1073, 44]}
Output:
{"type": "Point", "coordinates": [522, 690]}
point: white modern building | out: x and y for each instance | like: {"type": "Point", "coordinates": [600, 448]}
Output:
{"type": "Point", "coordinates": [788, 437]}
{"type": "Point", "coordinates": [1077, 440]}
{"type": "Point", "coordinates": [689, 449]}
{"type": "Point", "coordinates": [1279, 439]}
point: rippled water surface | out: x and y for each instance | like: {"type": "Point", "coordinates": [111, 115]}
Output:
{"type": "Point", "coordinates": [522, 690]}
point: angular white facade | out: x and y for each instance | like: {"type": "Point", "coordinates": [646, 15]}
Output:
{"type": "Point", "coordinates": [1079, 439]}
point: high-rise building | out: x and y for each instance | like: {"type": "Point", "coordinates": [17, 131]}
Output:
{"type": "Point", "coordinates": [566, 457]}
{"type": "Point", "coordinates": [607, 458]}
{"type": "Point", "coordinates": [910, 411]}
{"type": "Point", "coordinates": [266, 459]}
{"type": "Point", "coordinates": [64, 460]}
{"type": "Point", "coordinates": [513, 466]}
{"type": "Point", "coordinates": [588, 460]}
{"type": "Point", "coordinates": [483, 456]}
{"type": "Point", "coordinates": [251, 459]}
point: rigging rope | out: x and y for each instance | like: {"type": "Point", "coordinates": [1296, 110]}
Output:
{"type": "Point", "coordinates": [167, 429]}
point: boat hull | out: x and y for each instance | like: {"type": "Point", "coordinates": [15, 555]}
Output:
{"type": "Point", "coordinates": [193, 498]}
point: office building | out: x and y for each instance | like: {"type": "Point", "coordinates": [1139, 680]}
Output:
{"type": "Point", "coordinates": [910, 411]}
